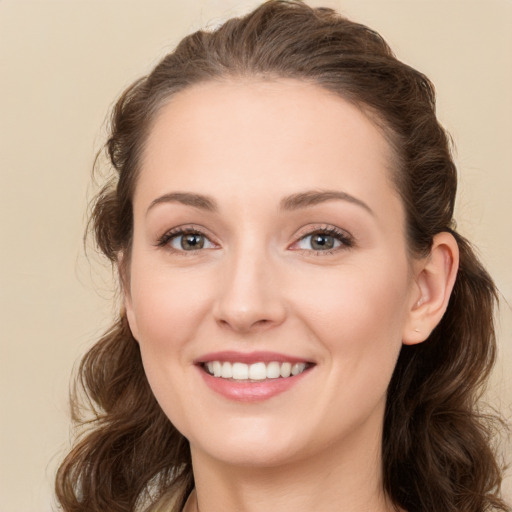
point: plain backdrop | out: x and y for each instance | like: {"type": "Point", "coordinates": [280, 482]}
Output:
{"type": "Point", "coordinates": [62, 64]}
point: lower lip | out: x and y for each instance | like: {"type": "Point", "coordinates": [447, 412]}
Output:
{"type": "Point", "coordinates": [251, 391]}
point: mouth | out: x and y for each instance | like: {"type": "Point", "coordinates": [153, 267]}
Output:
{"type": "Point", "coordinates": [255, 372]}
{"type": "Point", "coordinates": [252, 376]}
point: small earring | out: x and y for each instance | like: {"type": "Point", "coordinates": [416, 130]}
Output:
{"type": "Point", "coordinates": [416, 330]}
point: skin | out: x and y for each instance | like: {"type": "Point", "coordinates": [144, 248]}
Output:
{"type": "Point", "coordinates": [257, 284]}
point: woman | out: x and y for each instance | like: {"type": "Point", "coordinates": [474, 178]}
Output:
{"type": "Point", "coordinates": [302, 327]}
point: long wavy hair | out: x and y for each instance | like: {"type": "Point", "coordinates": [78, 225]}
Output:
{"type": "Point", "coordinates": [437, 445]}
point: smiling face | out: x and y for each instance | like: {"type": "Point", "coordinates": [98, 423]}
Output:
{"type": "Point", "coordinates": [269, 245]}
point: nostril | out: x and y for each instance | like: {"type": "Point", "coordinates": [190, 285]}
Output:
{"type": "Point", "coordinates": [262, 322]}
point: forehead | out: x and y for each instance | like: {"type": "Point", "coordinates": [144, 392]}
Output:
{"type": "Point", "coordinates": [282, 136]}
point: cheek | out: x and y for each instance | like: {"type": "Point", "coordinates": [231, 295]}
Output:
{"type": "Point", "coordinates": [168, 308]}
{"type": "Point", "coordinates": [358, 314]}
{"type": "Point", "coordinates": [357, 298]}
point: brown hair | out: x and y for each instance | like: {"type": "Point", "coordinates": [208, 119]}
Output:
{"type": "Point", "coordinates": [437, 446]}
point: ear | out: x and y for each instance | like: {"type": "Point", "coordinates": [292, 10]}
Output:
{"type": "Point", "coordinates": [127, 306]}
{"type": "Point", "coordinates": [434, 278]}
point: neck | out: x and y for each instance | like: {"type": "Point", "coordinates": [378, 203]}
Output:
{"type": "Point", "coordinates": [347, 478]}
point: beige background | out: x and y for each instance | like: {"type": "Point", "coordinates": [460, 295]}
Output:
{"type": "Point", "coordinates": [62, 63]}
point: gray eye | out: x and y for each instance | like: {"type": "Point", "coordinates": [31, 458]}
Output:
{"type": "Point", "coordinates": [319, 242]}
{"type": "Point", "coordinates": [190, 242]}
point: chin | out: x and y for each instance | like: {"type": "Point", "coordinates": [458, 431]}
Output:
{"type": "Point", "coordinates": [256, 445]}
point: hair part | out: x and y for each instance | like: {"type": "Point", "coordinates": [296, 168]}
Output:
{"type": "Point", "coordinates": [437, 446]}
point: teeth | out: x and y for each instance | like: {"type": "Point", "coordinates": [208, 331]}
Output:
{"type": "Point", "coordinates": [227, 371]}
{"type": "Point", "coordinates": [286, 369]}
{"type": "Point", "coordinates": [255, 371]}
{"type": "Point", "coordinates": [273, 370]}
{"type": "Point", "coordinates": [240, 371]}
{"type": "Point", "coordinates": [217, 369]}
{"type": "Point", "coordinates": [298, 368]}
{"type": "Point", "coordinates": [258, 371]}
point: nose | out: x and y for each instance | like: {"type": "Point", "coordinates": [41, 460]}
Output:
{"type": "Point", "coordinates": [249, 297]}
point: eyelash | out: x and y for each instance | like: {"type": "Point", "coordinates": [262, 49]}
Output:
{"type": "Point", "coordinates": [343, 237]}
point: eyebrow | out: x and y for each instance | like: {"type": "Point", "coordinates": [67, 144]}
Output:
{"type": "Point", "coordinates": [196, 200]}
{"type": "Point", "coordinates": [314, 197]}
{"type": "Point", "coordinates": [293, 202]}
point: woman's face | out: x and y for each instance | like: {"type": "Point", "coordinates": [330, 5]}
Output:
{"type": "Point", "coordinates": [268, 239]}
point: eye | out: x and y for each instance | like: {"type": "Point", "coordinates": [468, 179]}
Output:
{"type": "Point", "coordinates": [186, 240]}
{"type": "Point", "coordinates": [319, 242]}
{"type": "Point", "coordinates": [323, 240]}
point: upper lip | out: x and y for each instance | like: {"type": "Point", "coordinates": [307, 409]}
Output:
{"type": "Point", "coordinates": [249, 357]}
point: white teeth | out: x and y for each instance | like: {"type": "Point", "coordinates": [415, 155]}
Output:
{"type": "Point", "coordinates": [298, 368]}
{"type": "Point", "coordinates": [255, 371]}
{"type": "Point", "coordinates": [286, 369]}
{"type": "Point", "coordinates": [227, 371]}
{"type": "Point", "coordinates": [273, 370]}
{"type": "Point", "coordinates": [217, 369]}
{"type": "Point", "coordinates": [258, 371]}
{"type": "Point", "coordinates": [240, 371]}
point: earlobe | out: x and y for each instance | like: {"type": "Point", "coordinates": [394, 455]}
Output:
{"type": "Point", "coordinates": [435, 277]}
{"type": "Point", "coordinates": [130, 316]}
{"type": "Point", "coordinates": [127, 307]}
